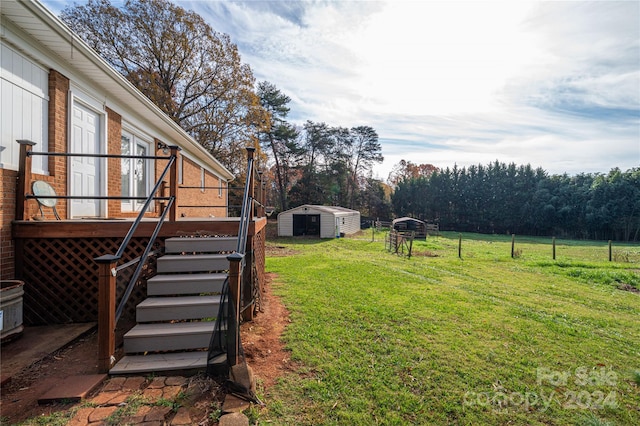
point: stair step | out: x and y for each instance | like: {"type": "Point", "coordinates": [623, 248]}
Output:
{"type": "Point", "coordinates": [168, 336]}
{"type": "Point", "coordinates": [200, 244]}
{"type": "Point", "coordinates": [134, 364]}
{"type": "Point", "coordinates": [177, 308]}
{"type": "Point", "coordinates": [192, 263]}
{"type": "Point", "coordinates": [185, 284]}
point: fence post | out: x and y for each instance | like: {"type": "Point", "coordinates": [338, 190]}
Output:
{"type": "Point", "coordinates": [24, 179]}
{"type": "Point", "coordinates": [106, 311]}
{"type": "Point", "coordinates": [234, 298]}
{"type": "Point", "coordinates": [411, 243]}
{"type": "Point", "coordinates": [610, 257]}
{"type": "Point", "coordinates": [460, 246]}
{"type": "Point", "coordinates": [553, 240]}
{"type": "Point", "coordinates": [173, 183]}
{"type": "Point", "coordinates": [513, 244]}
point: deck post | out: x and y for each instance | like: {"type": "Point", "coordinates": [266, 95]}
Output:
{"type": "Point", "coordinates": [260, 195]}
{"type": "Point", "coordinates": [24, 179]}
{"type": "Point", "coordinates": [173, 183]}
{"type": "Point", "coordinates": [233, 353]}
{"type": "Point", "coordinates": [106, 311]}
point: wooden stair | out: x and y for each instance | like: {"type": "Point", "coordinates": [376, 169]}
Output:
{"type": "Point", "coordinates": [176, 321]}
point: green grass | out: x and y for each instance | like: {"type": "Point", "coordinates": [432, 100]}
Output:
{"type": "Point", "coordinates": [486, 339]}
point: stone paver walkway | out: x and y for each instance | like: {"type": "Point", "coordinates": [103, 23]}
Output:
{"type": "Point", "coordinates": [139, 401]}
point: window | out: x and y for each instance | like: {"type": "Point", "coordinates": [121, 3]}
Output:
{"type": "Point", "coordinates": [24, 107]}
{"type": "Point", "coordinates": [135, 171]}
{"type": "Point", "coordinates": [180, 167]}
{"type": "Point", "coordinates": [221, 184]}
{"type": "Point", "coordinates": [201, 179]}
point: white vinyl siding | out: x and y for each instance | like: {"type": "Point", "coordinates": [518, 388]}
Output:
{"type": "Point", "coordinates": [23, 108]}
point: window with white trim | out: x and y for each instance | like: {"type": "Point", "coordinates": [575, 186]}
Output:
{"type": "Point", "coordinates": [136, 172]}
{"type": "Point", "coordinates": [201, 179]}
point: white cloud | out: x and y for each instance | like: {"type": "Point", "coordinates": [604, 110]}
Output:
{"type": "Point", "coordinates": [554, 84]}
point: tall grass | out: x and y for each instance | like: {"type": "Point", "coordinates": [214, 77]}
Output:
{"type": "Point", "coordinates": [434, 339]}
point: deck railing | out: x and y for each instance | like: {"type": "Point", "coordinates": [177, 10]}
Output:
{"type": "Point", "coordinates": [108, 315]}
{"type": "Point", "coordinates": [238, 261]}
{"type": "Point", "coordinates": [25, 179]}
{"type": "Point", "coordinates": [243, 288]}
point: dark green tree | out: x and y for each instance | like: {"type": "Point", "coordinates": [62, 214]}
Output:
{"type": "Point", "coordinates": [279, 138]}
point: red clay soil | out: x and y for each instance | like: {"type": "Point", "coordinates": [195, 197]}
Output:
{"type": "Point", "coordinates": [261, 339]}
{"type": "Point", "coordinates": [263, 348]}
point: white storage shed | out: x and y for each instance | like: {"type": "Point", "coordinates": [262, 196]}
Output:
{"type": "Point", "coordinates": [321, 221]}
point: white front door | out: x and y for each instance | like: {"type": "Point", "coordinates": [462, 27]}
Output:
{"type": "Point", "coordinates": [85, 171]}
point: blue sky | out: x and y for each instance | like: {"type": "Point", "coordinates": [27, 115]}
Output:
{"type": "Point", "coordinates": [552, 84]}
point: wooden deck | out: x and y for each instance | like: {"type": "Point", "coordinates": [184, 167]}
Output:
{"type": "Point", "coordinates": [55, 259]}
{"type": "Point", "coordinates": [86, 228]}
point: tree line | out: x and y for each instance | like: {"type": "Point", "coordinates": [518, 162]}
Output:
{"type": "Point", "coordinates": [316, 163]}
{"type": "Point", "coordinates": [196, 76]}
{"type": "Point", "coordinates": [501, 198]}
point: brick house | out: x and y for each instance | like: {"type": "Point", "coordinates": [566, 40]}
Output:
{"type": "Point", "coordinates": [59, 94]}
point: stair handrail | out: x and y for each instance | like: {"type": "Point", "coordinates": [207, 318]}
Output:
{"type": "Point", "coordinates": [134, 226]}
{"type": "Point", "coordinates": [246, 210]}
{"type": "Point", "coordinates": [142, 260]}
{"type": "Point", "coordinates": [108, 314]}
{"type": "Point", "coordinates": [237, 261]}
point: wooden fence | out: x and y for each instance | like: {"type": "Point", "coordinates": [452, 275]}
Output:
{"type": "Point", "coordinates": [399, 242]}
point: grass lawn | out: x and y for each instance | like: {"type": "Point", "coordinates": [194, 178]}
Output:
{"type": "Point", "coordinates": [434, 339]}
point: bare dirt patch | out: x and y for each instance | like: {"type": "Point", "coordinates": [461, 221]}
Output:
{"type": "Point", "coordinates": [628, 287]}
{"type": "Point", "coordinates": [261, 338]}
{"type": "Point", "coordinates": [279, 251]}
{"type": "Point", "coordinates": [20, 396]}
{"type": "Point", "coordinates": [427, 253]}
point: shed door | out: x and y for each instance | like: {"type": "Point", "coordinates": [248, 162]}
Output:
{"type": "Point", "coordinates": [306, 224]}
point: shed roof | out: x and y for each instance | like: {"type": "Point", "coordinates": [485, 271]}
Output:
{"type": "Point", "coordinates": [407, 219]}
{"type": "Point", "coordinates": [326, 209]}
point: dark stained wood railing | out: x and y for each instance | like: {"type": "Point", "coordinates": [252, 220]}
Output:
{"type": "Point", "coordinates": [48, 241]}
{"type": "Point", "coordinates": [24, 179]}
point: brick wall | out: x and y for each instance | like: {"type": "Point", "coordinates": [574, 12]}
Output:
{"type": "Point", "coordinates": [114, 146]}
{"type": "Point", "coordinates": [7, 214]}
{"type": "Point", "coordinates": [58, 130]}
{"type": "Point", "coordinates": [208, 201]}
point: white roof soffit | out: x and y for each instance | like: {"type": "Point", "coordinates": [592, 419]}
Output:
{"type": "Point", "coordinates": [39, 22]}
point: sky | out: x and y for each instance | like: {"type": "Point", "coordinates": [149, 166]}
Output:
{"type": "Point", "coordinates": [554, 84]}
